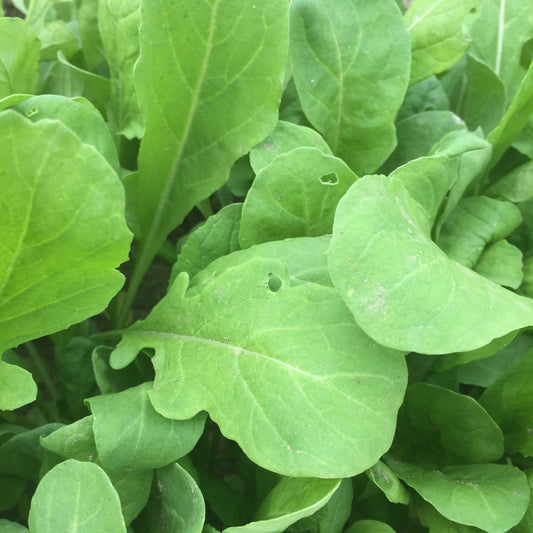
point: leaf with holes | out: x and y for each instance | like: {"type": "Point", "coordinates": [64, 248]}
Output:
{"type": "Point", "coordinates": [304, 391]}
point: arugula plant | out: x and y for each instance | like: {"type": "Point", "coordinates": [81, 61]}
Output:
{"type": "Point", "coordinates": [267, 266]}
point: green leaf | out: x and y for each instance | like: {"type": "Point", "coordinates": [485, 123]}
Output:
{"type": "Point", "coordinates": [474, 223]}
{"type": "Point", "coordinates": [478, 95]}
{"type": "Point", "coordinates": [291, 500]}
{"type": "Point", "coordinates": [11, 490]}
{"type": "Point", "coordinates": [333, 516]}
{"type": "Point", "coordinates": [219, 236]}
{"type": "Point", "coordinates": [294, 196]}
{"type": "Point", "coordinates": [515, 119]}
{"type": "Point", "coordinates": [54, 34]}
{"type": "Point", "coordinates": [304, 259]}
{"type": "Point", "coordinates": [386, 480]}
{"type": "Point", "coordinates": [438, 426]}
{"type": "Point", "coordinates": [74, 373]}
{"type": "Point", "coordinates": [22, 454]}
{"type": "Point", "coordinates": [501, 262]}
{"type": "Point", "coordinates": [75, 441]}
{"type": "Point", "coordinates": [342, 52]}
{"type": "Point", "coordinates": [206, 101]}
{"type": "Point", "coordinates": [75, 496]}
{"type": "Point", "coordinates": [491, 497]}
{"type": "Point", "coordinates": [526, 525]}
{"type": "Point", "coordinates": [288, 410]}
{"type": "Point", "coordinates": [285, 137]}
{"type": "Point", "coordinates": [110, 380]}
{"type": "Point", "coordinates": [516, 186]}
{"type": "Point", "coordinates": [11, 527]}
{"type": "Point", "coordinates": [91, 40]}
{"type": "Point", "coordinates": [498, 34]}
{"type": "Point", "coordinates": [510, 403]}
{"type": "Point", "coordinates": [436, 523]}
{"type": "Point", "coordinates": [417, 134]}
{"type": "Point", "coordinates": [130, 434]}
{"type": "Point", "coordinates": [67, 79]}
{"type": "Point", "coordinates": [133, 489]}
{"type": "Point", "coordinates": [369, 526]}
{"type": "Point", "coordinates": [486, 372]}
{"type": "Point", "coordinates": [62, 238]}
{"type": "Point", "coordinates": [19, 57]}
{"type": "Point", "coordinates": [437, 37]}
{"type": "Point", "coordinates": [415, 304]}
{"type": "Point", "coordinates": [84, 120]}
{"type": "Point", "coordinates": [17, 387]}
{"type": "Point", "coordinates": [118, 22]}
{"type": "Point", "coordinates": [426, 95]}
{"type": "Point", "coordinates": [176, 503]}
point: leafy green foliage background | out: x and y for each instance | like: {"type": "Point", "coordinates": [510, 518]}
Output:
{"type": "Point", "coordinates": [266, 267]}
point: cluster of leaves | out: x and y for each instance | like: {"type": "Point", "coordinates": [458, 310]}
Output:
{"type": "Point", "coordinates": [341, 194]}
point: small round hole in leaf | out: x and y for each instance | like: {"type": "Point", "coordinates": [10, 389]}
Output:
{"type": "Point", "coordinates": [274, 284]}
{"type": "Point", "coordinates": [31, 112]}
{"type": "Point", "coordinates": [329, 179]}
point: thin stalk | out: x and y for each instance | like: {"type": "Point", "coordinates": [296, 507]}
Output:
{"type": "Point", "coordinates": [142, 264]}
{"type": "Point", "coordinates": [107, 335]}
{"type": "Point", "coordinates": [205, 208]}
{"type": "Point", "coordinates": [47, 380]}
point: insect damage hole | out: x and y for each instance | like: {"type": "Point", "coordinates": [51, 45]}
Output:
{"type": "Point", "coordinates": [329, 179]}
{"type": "Point", "coordinates": [274, 284]}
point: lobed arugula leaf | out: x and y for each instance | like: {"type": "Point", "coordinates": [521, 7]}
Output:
{"type": "Point", "coordinates": [266, 351]}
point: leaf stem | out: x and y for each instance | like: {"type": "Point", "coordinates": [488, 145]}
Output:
{"type": "Point", "coordinates": [47, 380]}
{"type": "Point", "coordinates": [142, 264]}
{"type": "Point", "coordinates": [205, 208]}
{"type": "Point", "coordinates": [106, 335]}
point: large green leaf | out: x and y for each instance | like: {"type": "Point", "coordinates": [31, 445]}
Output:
{"type": "Point", "coordinates": [303, 391]}
{"type": "Point", "coordinates": [130, 434]}
{"type": "Point", "coordinates": [510, 402]}
{"type": "Point", "coordinates": [491, 497]}
{"type": "Point", "coordinates": [118, 22]}
{"type": "Point", "coordinates": [423, 301]}
{"type": "Point", "coordinates": [294, 196]}
{"type": "Point", "coordinates": [438, 426]}
{"type": "Point", "coordinates": [291, 500]}
{"type": "Point", "coordinates": [350, 61]}
{"type": "Point", "coordinates": [176, 504]}
{"type": "Point", "coordinates": [61, 238]}
{"type": "Point", "coordinates": [76, 496]}
{"type": "Point", "coordinates": [19, 57]}
{"type": "Point", "coordinates": [498, 34]}
{"type": "Point", "coordinates": [208, 82]}
{"type": "Point", "coordinates": [437, 38]}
